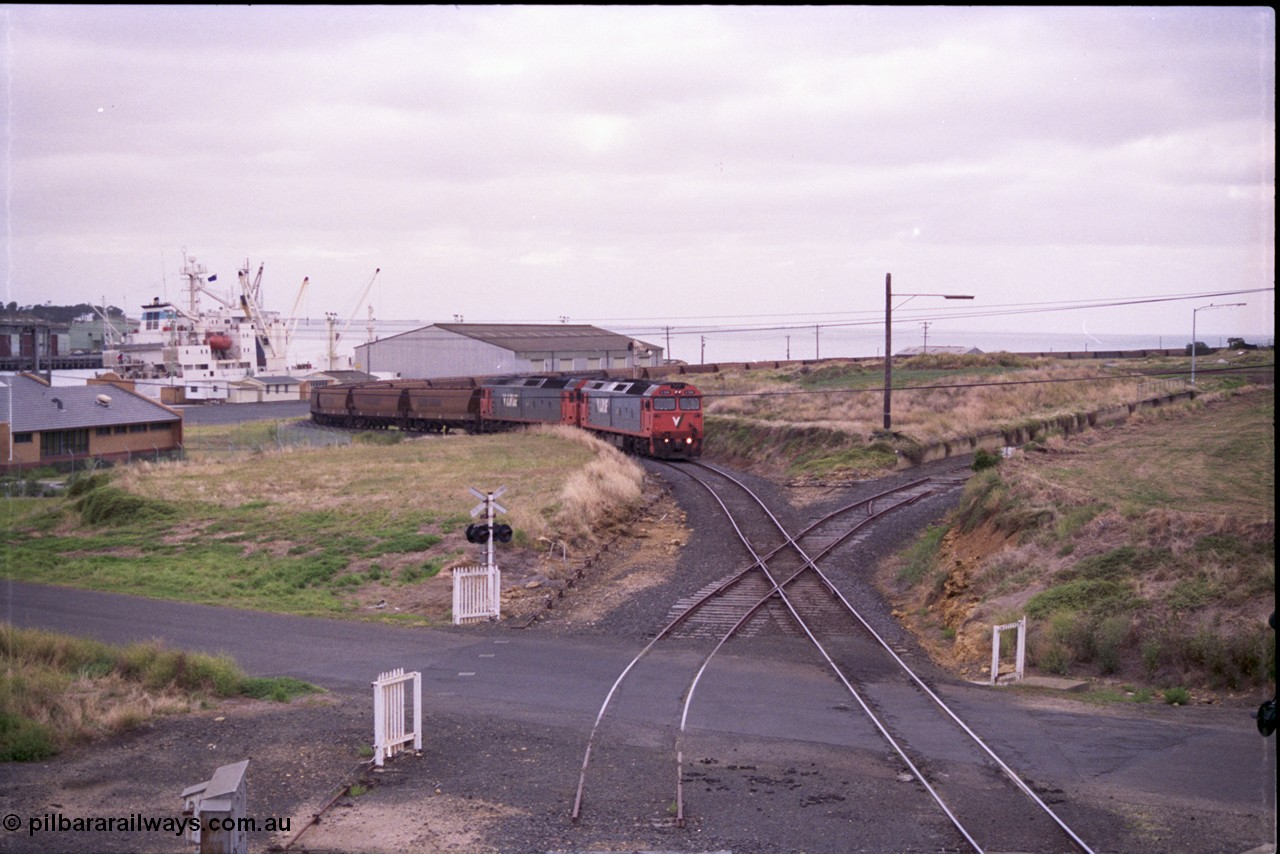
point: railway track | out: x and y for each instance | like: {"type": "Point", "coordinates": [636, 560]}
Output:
{"type": "Point", "coordinates": [782, 589]}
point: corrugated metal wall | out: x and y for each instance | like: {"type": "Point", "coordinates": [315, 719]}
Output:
{"type": "Point", "coordinates": [431, 352]}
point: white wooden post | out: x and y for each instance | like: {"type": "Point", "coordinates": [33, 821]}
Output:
{"type": "Point", "coordinates": [1021, 670]}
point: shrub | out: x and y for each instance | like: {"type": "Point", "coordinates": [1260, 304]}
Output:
{"type": "Point", "coordinates": [280, 689]}
{"type": "Point", "coordinates": [79, 484]}
{"type": "Point", "coordinates": [108, 505]}
{"type": "Point", "coordinates": [922, 555]}
{"type": "Point", "coordinates": [1057, 647]}
{"type": "Point", "coordinates": [1110, 638]}
{"type": "Point", "coordinates": [24, 740]}
{"type": "Point", "coordinates": [1097, 595]}
{"type": "Point", "coordinates": [1177, 696]}
{"type": "Point", "coordinates": [984, 459]}
{"type": "Point", "coordinates": [981, 498]}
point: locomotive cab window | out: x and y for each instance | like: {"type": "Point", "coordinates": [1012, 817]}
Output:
{"type": "Point", "coordinates": [664, 404]}
{"type": "Point", "coordinates": [690, 404]}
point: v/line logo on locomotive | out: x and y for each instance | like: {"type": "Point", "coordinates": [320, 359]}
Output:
{"type": "Point", "coordinates": [651, 418]}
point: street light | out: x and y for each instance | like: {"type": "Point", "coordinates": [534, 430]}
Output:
{"type": "Point", "coordinates": [888, 341]}
{"type": "Point", "coordinates": [1193, 329]}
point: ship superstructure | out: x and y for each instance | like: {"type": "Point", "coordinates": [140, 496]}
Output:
{"type": "Point", "coordinates": [196, 353]}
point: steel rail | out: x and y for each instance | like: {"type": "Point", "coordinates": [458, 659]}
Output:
{"type": "Point", "coordinates": [1009, 772]}
{"type": "Point", "coordinates": [776, 591]}
{"type": "Point", "coordinates": [576, 813]}
{"type": "Point", "coordinates": [804, 627]}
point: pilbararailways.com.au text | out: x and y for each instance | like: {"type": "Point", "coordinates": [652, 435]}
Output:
{"type": "Point", "coordinates": [138, 823]}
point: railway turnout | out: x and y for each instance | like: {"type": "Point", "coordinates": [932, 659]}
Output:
{"type": "Point", "coordinates": [793, 586]}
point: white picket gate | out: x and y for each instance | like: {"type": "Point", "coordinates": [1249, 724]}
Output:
{"type": "Point", "coordinates": [391, 732]}
{"type": "Point", "coordinates": [477, 593]}
{"type": "Point", "coordinates": [1020, 656]}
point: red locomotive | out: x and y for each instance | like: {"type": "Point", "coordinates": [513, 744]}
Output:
{"type": "Point", "coordinates": [647, 417]}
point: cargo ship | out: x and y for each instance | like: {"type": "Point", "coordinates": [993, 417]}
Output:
{"type": "Point", "coordinates": [185, 353]}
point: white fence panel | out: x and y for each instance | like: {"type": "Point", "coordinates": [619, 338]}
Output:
{"type": "Point", "coordinates": [1020, 657]}
{"type": "Point", "coordinates": [391, 730]}
{"type": "Point", "coordinates": [477, 594]}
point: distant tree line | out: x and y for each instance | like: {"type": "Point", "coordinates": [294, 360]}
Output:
{"type": "Point", "coordinates": [58, 313]}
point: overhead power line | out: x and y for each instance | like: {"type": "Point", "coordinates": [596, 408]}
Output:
{"type": "Point", "coordinates": [876, 318]}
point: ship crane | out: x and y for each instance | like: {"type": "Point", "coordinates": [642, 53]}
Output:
{"type": "Point", "coordinates": [364, 294]}
{"type": "Point", "coordinates": [331, 318]}
{"type": "Point", "coordinates": [251, 304]}
{"type": "Point", "coordinates": [293, 313]}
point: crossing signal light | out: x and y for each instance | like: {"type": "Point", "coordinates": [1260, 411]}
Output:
{"type": "Point", "coordinates": [481, 533]}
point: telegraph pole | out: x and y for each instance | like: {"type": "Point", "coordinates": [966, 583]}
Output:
{"type": "Point", "coordinates": [888, 342]}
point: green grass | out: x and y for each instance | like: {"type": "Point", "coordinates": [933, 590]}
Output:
{"type": "Point", "coordinates": [922, 557]}
{"type": "Point", "coordinates": [56, 689]}
{"type": "Point", "coordinates": [1091, 595]}
{"type": "Point", "coordinates": [295, 531]}
{"type": "Point", "coordinates": [1146, 552]}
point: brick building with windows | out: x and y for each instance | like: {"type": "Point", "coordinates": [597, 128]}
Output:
{"type": "Point", "coordinates": [58, 426]}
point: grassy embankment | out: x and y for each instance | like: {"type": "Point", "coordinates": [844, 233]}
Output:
{"type": "Point", "coordinates": [57, 690]}
{"type": "Point", "coordinates": [310, 530]}
{"type": "Point", "coordinates": [822, 421]}
{"type": "Point", "coordinates": [1143, 553]}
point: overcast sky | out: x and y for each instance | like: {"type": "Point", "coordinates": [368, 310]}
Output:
{"type": "Point", "coordinates": [690, 166]}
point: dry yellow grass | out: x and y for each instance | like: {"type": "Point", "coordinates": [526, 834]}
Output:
{"type": "Point", "coordinates": [605, 491]}
{"type": "Point", "coordinates": [563, 484]}
{"type": "Point", "coordinates": [936, 408]}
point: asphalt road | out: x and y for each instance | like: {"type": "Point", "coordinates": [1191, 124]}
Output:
{"type": "Point", "coordinates": [501, 671]}
{"type": "Point", "coordinates": [1202, 763]}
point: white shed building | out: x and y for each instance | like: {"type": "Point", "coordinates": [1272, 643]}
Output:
{"type": "Point", "coordinates": [484, 349]}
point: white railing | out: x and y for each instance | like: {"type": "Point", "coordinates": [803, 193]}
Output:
{"type": "Point", "coordinates": [1020, 665]}
{"type": "Point", "coordinates": [391, 733]}
{"type": "Point", "coordinates": [477, 594]}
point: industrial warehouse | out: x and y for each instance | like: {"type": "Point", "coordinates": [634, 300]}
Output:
{"type": "Point", "coordinates": [484, 349]}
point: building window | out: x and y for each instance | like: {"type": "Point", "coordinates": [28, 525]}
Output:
{"type": "Point", "coordinates": [102, 431]}
{"type": "Point", "coordinates": [21, 438]}
{"type": "Point", "coordinates": [61, 443]}
{"type": "Point", "coordinates": [158, 425]}
{"type": "Point", "coordinates": [137, 428]}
